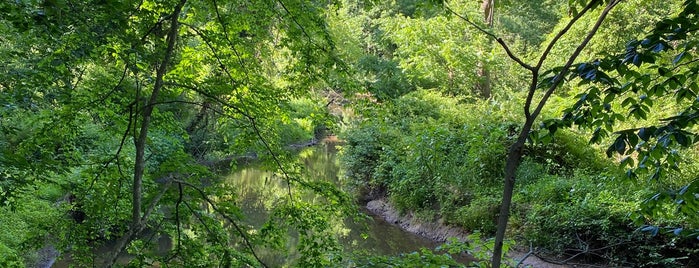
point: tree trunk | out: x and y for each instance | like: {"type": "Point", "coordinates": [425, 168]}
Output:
{"type": "Point", "coordinates": [137, 222]}
{"type": "Point", "coordinates": [488, 7]}
{"type": "Point", "coordinates": [514, 158]}
{"type": "Point", "coordinates": [483, 86]}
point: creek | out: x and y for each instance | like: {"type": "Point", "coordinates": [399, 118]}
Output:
{"type": "Point", "coordinates": [258, 190]}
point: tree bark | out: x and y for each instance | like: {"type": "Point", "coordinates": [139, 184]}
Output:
{"type": "Point", "coordinates": [514, 157]}
{"type": "Point", "coordinates": [488, 7]}
{"type": "Point", "coordinates": [483, 85]}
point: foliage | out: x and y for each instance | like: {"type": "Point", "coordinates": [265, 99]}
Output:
{"type": "Point", "coordinates": [635, 84]}
{"type": "Point", "coordinates": [428, 152]}
{"type": "Point", "coordinates": [27, 225]}
{"type": "Point", "coordinates": [585, 218]}
{"type": "Point", "coordinates": [113, 113]}
{"type": "Point", "coordinates": [118, 104]}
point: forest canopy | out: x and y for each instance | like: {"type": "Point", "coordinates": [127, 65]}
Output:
{"type": "Point", "coordinates": [563, 128]}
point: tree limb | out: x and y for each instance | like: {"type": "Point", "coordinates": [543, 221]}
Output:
{"type": "Point", "coordinates": [491, 35]}
{"type": "Point", "coordinates": [248, 244]}
{"type": "Point", "coordinates": [558, 79]}
{"type": "Point", "coordinates": [547, 51]}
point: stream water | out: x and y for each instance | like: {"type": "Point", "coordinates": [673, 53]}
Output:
{"type": "Point", "coordinates": [259, 190]}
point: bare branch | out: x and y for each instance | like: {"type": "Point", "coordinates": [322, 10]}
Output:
{"type": "Point", "coordinates": [547, 51]}
{"type": "Point", "coordinates": [531, 252]}
{"type": "Point", "coordinates": [563, 31]}
{"type": "Point", "coordinates": [558, 79]}
{"type": "Point", "coordinates": [497, 39]}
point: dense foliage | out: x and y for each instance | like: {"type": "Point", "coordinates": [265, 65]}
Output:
{"type": "Point", "coordinates": [117, 119]}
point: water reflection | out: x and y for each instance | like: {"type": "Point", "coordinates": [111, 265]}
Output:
{"type": "Point", "coordinates": [259, 191]}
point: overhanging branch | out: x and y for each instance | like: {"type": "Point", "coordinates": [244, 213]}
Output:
{"type": "Point", "coordinates": [494, 37]}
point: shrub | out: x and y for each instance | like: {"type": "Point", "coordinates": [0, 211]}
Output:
{"type": "Point", "coordinates": [428, 151]}
{"type": "Point", "coordinates": [585, 217]}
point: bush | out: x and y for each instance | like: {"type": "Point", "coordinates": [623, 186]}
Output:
{"type": "Point", "coordinates": [585, 217]}
{"type": "Point", "coordinates": [481, 214]}
{"type": "Point", "coordinates": [428, 151]}
{"type": "Point", "coordinates": [438, 157]}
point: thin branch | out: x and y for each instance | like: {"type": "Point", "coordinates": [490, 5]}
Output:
{"type": "Point", "coordinates": [303, 29]}
{"type": "Point", "coordinates": [531, 252]}
{"type": "Point", "coordinates": [559, 78]}
{"type": "Point", "coordinates": [582, 252]}
{"type": "Point", "coordinates": [257, 131]}
{"type": "Point", "coordinates": [248, 244]}
{"type": "Point", "coordinates": [491, 35]}
{"type": "Point", "coordinates": [276, 159]}
{"type": "Point", "coordinates": [547, 51]}
{"type": "Point", "coordinates": [239, 110]}
{"type": "Point", "coordinates": [154, 202]}
{"type": "Point", "coordinates": [137, 227]}
{"type": "Point", "coordinates": [216, 55]}
{"type": "Point", "coordinates": [212, 97]}
{"type": "Point", "coordinates": [230, 43]}
{"type": "Point", "coordinates": [563, 31]}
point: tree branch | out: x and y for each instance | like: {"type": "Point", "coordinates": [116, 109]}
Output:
{"type": "Point", "coordinates": [497, 39]}
{"type": "Point", "coordinates": [137, 221]}
{"type": "Point", "coordinates": [547, 51]}
{"type": "Point", "coordinates": [248, 244]}
{"type": "Point", "coordinates": [558, 79]}
{"type": "Point", "coordinates": [563, 31]}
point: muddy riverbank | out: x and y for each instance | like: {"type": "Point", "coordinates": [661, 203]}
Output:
{"type": "Point", "coordinates": [440, 232]}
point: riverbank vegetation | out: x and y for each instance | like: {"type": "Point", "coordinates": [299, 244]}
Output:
{"type": "Point", "coordinates": [119, 120]}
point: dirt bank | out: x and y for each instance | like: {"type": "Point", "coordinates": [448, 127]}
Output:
{"type": "Point", "coordinates": [438, 231]}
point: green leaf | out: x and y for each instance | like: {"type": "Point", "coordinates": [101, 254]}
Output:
{"type": "Point", "coordinates": [633, 140]}
{"type": "Point", "coordinates": [681, 138]}
{"type": "Point", "coordinates": [645, 133]}
{"type": "Point", "coordinates": [679, 58]}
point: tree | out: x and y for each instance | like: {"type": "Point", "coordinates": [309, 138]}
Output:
{"type": "Point", "coordinates": [484, 86]}
{"type": "Point", "coordinates": [146, 72]}
{"type": "Point", "coordinates": [533, 108]}
{"type": "Point", "coordinates": [649, 72]}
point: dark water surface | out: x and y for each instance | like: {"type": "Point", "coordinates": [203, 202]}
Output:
{"type": "Point", "coordinates": [259, 190]}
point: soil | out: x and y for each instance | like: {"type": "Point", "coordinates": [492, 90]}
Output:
{"type": "Point", "coordinates": [440, 232]}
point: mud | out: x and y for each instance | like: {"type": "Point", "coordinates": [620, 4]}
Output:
{"type": "Point", "coordinates": [440, 232]}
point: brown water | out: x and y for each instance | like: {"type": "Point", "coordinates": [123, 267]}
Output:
{"type": "Point", "coordinates": [259, 190]}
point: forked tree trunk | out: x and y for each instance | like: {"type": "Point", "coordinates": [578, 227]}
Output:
{"type": "Point", "coordinates": [514, 157]}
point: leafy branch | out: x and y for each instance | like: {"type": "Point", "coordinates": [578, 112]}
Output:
{"type": "Point", "coordinates": [240, 231]}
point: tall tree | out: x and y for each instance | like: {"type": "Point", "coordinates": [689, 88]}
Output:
{"type": "Point", "coordinates": [136, 75]}
{"type": "Point", "coordinates": [533, 108]}
{"type": "Point", "coordinates": [484, 84]}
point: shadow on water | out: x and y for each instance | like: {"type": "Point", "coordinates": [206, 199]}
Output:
{"type": "Point", "coordinates": [259, 190]}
